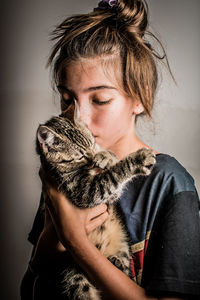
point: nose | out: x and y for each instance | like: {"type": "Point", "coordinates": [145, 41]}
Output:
{"type": "Point", "coordinates": [85, 113]}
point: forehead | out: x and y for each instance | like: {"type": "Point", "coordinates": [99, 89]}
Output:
{"type": "Point", "coordinates": [89, 72]}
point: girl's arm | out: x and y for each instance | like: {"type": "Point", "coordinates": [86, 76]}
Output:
{"type": "Point", "coordinates": [71, 226]}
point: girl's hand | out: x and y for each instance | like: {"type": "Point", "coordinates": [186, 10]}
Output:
{"type": "Point", "coordinates": [71, 223]}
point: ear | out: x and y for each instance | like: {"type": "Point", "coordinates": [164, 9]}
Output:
{"type": "Point", "coordinates": [72, 112]}
{"type": "Point", "coordinates": [138, 108]}
{"type": "Point", "coordinates": [46, 138]}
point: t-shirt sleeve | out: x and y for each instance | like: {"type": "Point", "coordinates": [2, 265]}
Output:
{"type": "Point", "coordinates": [172, 260]}
{"type": "Point", "coordinates": [38, 223]}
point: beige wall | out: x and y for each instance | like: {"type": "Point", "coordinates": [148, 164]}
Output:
{"type": "Point", "coordinates": [26, 100]}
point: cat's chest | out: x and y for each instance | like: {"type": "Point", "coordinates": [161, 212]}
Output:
{"type": "Point", "coordinates": [110, 237]}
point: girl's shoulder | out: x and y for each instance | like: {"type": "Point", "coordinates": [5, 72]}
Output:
{"type": "Point", "coordinates": [146, 197]}
{"type": "Point", "coordinates": [167, 179]}
{"type": "Point", "coordinates": [168, 170]}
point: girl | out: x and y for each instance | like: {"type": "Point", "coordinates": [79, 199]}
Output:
{"type": "Point", "coordinates": [103, 61]}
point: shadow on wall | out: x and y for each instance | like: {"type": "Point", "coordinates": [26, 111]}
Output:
{"type": "Point", "coordinates": [19, 180]}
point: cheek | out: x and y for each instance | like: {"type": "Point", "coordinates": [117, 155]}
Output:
{"type": "Point", "coordinates": [120, 117]}
{"type": "Point", "coordinates": [104, 122]}
{"type": "Point", "coordinates": [113, 125]}
{"type": "Point", "coordinates": [114, 119]}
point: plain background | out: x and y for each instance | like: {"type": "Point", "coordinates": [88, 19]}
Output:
{"type": "Point", "coordinates": [27, 99]}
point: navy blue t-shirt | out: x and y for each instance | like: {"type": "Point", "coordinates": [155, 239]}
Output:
{"type": "Point", "coordinates": [162, 216]}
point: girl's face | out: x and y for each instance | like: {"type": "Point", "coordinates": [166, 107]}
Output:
{"type": "Point", "coordinates": [104, 108]}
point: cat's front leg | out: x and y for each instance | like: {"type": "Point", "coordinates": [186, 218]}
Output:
{"type": "Point", "coordinates": [99, 187]}
{"type": "Point", "coordinates": [104, 159]}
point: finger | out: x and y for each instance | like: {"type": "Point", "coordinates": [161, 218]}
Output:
{"type": "Point", "coordinates": [96, 211]}
{"type": "Point", "coordinates": [96, 222]}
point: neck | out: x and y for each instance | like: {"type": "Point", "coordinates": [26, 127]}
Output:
{"type": "Point", "coordinates": [127, 145]}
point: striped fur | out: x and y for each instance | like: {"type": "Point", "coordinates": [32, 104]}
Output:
{"type": "Point", "coordinates": [89, 176]}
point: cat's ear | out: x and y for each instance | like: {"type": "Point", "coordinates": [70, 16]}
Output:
{"type": "Point", "coordinates": [47, 139]}
{"type": "Point", "coordinates": [76, 112]}
{"type": "Point", "coordinates": [71, 112]}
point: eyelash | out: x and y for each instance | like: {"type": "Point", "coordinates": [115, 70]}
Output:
{"type": "Point", "coordinates": [101, 102]}
{"type": "Point", "coordinates": [68, 102]}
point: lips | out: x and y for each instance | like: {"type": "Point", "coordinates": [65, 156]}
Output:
{"type": "Point", "coordinates": [94, 135]}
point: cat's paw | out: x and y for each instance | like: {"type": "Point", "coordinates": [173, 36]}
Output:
{"type": "Point", "coordinates": [119, 263]}
{"type": "Point", "coordinates": [144, 160]}
{"type": "Point", "coordinates": [104, 159]}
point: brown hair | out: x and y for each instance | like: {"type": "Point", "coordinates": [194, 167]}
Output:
{"type": "Point", "coordinates": [121, 29]}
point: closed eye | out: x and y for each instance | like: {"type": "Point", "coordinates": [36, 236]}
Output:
{"type": "Point", "coordinates": [71, 160]}
{"type": "Point", "coordinates": [99, 102]}
{"type": "Point", "coordinates": [65, 161]}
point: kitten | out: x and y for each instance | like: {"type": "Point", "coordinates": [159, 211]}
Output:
{"type": "Point", "coordinates": [89, 176]}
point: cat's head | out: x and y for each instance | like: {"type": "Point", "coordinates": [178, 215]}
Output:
{"type": "Point", "coordinates": [62, 140]}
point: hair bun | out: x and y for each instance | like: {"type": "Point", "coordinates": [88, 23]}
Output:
{"type": "Point", "coordinates": [133, 14]}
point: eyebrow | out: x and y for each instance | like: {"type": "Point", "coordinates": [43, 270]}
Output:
{"type": "Point", "coordinates": [92, 88]}
{"type": "Point", "coordinates": [100, 87]}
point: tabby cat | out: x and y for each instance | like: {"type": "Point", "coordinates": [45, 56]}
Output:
{"type": "Point", "coordinates": [89, 176]}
